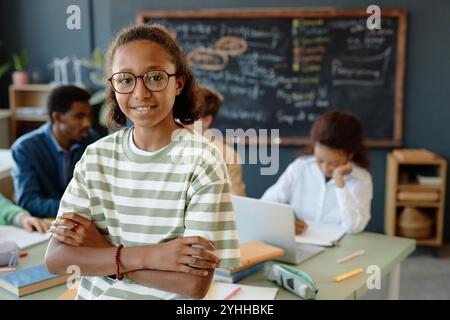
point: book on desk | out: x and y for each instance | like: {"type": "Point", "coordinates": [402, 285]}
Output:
{"type": "Point", "coordinates": [30, 280]}
{"type": "Point", "coordinates": [254, 255]}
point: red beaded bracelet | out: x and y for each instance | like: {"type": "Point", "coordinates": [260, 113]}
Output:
{"type": "Point", "coordinates": [119, 275]}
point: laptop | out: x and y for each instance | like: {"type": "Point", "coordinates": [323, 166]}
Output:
{"type": "Point", "coordinates": [272, 223]}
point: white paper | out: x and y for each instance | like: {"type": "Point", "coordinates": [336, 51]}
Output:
{"type": "Point", "coordinates": [219, 290]}
{"type": "Point", "coordinates": [24, 239]}
{"type": "Point", "coordinates": [320, 234]}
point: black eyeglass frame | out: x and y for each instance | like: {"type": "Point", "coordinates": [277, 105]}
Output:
{"type": "Point", "coordinates": [141, 76]}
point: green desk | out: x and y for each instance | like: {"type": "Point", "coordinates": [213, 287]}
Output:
{"type": "Point", "coordinates": [383, 251]}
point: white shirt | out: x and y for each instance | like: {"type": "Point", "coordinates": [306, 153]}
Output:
{"type": "Point", "coordinates": [134, 148]}
{"type": "Point", "coordinates": [303, 187]}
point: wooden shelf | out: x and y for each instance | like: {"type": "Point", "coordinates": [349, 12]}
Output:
{"type": "Point", "coordinates": [32, 118]}
{"type": "Point", "coordinates": [419, 204]}
{"type": "Point", "coordinates": [427, 242]}
{"type": "Point", "coordinates": [24, 97]}
{"type": "Point", "coordinates": [411, 163]}
{"type": "Point", "coordinates": [418, 187]}
{"type": "Point", "coordinates": [33, 87]}
{"type": "Point", "coordinates": [418, 162]}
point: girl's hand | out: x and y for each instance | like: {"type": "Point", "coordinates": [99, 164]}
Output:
{"type": "Point", "coordinates": [75, 230]}
{"type": "Point", "coordinates": [179, 255]}
{"type": "Point", "coordinates": [340, 172]}
{"type": "Point", "coordinates": [300, 226]}
{"type": "Point", "coordinates": [32, 223]}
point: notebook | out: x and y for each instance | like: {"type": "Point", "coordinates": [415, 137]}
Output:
{"type": "Point", "coordinates": [220, 290]}
{"type": "Point", "coordinates": [252, 253]}
{"type": "Point", "coordinates": [23, 238]}
{"type": "Point", "coordinates": [30, 280]}
{"type": "Point", "coordinates": [321, 234]}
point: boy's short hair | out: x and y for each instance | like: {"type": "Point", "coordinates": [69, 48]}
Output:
{"type": "Point", "coordinates": [61, 98]}
{"type": "Point", "coordinates": [210, 100]}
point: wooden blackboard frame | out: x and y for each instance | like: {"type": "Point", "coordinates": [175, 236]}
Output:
{"type": "Point", "coordinates": [401, 14]}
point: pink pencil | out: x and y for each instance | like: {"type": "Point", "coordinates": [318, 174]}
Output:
{"type": "Point", "coordinates": [234, 293]}
{"type": "Point", "coordinates": [354, 255]}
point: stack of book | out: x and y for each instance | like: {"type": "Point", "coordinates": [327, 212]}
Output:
{"type": "Point", "coordinates": [254, 255]}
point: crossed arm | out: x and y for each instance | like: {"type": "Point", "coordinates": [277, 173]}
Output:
{"type": "Point", "coordinates": [164, 266]}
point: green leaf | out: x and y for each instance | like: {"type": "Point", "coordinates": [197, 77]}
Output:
{"type": "Point", "coordinates": [20, 61]}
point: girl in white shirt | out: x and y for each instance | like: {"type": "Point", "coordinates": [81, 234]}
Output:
{"type": "Point", "coordinates": [333, 185]}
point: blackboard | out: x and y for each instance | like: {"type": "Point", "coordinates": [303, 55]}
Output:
{"type": "Point", "coordinates": [281, 69]}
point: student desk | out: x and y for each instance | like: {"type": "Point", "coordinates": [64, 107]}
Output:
{"type": "Point", "coordinates": [384, 251]}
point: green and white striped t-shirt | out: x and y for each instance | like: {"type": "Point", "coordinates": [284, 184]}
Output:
{"type": "Point", "coordinates": [181, 190]}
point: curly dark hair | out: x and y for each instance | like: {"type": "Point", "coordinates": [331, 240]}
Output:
{"type": "Point", "coordinates": [341, 130]}
{"type": "Point", "coordinates": [185, 107]}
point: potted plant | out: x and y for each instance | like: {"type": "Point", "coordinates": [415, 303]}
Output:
{"type": "Point", "coordinates": [20, 77]}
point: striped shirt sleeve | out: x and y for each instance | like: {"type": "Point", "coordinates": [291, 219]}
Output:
{"type": "Point", "coordinates": [76, 197]}
{"type": "Point", "coordinates": [210, 212]}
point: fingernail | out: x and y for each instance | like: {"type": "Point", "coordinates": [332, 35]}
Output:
{"type": "Point", "coordinates": [205, 273]}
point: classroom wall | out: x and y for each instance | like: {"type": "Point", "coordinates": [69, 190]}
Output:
{"type": "Point", "coordinates": [427, 98]}
{"type": "Point", "coordinates": [39, 27]}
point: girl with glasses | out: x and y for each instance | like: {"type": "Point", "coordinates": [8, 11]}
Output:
{"type": "Point", "coordinates": [152, 202]}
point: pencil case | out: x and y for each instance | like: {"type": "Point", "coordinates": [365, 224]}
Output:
{"type": "Point", "coordinates": [9, 254]}
{"type": "Point", "coordinates": [294, 280]}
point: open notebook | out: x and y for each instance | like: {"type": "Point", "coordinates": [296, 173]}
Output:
{"type": "Point", "coordinates": [24, 239]}
{"type": "Point", "coordinates": [321, 234]}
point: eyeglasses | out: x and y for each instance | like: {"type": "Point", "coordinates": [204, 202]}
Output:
{"type": "Point", "coordinates": [125, 82]}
